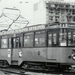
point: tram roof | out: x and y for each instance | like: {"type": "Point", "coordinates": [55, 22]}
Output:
{"type": "Point", "coordinates": [37, 28]}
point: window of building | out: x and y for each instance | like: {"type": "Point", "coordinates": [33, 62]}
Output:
{"type": "Point", "coordinates": [73, 6]}
{"type": "Point", "coordinates": [51, 11]}
{"type": "Point", "coordinates": [40, 39]}
{"type": "Point", "coordinates": [28, 40]}
{"type": "Point", "coordinates": [50, 17]}
{"type": "Point", "coordinates": [69, 18]}
{"type": "Point", "coordinates": [52, 5]}
{"type": "Point", "coordinates": [4, 43]}
{"type": "Point", "coordinates": [35, 6]}
{"type": "Point", "coordinates": [73, 18]}
{"type": "Point", "coordinates": [57, 11]}
{"type": "Point", "coordinates": [62, 5]}
{"type": "Point", "coordinates": [73, 11]}
{"type": "Point", "coordinates": [67, 5]}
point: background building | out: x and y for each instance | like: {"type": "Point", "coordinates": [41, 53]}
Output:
{"type": "Point", "coordinates": [49, 12]}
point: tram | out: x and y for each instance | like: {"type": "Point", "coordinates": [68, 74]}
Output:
{"type": "Point", "coordinates": [40, 46]}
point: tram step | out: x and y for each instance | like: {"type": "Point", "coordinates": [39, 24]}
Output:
{"type": "Point", "coordinates": [14, 62]}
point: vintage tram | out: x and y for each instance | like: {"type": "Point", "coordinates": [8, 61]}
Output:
{"type": "Point", "coordinates": [39, 46]}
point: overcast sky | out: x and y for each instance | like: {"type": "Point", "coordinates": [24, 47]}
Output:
{"type": "Point", "coordinates": [25, 6]}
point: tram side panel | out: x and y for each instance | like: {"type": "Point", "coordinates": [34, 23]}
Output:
{"type": "Point", "coordinates": [15, 56]}
{"type": "Point", "coordinates": [63, 55]}
{"type": "Point", "coordinates": [58, 55]}
{"type": "Point", "coordinates": [34, 54]}
{"type": "Point", "coordinates": [54, 54]}
{"type": "Point", "coordinates": [5, 55]}
{"type": "Point", "coordinates": [68, 55]}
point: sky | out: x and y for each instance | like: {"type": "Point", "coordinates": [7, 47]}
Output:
{"type": "Point", "coordinates": [25, 7]}
{"type": "Point", "coordinates": [69, 0]}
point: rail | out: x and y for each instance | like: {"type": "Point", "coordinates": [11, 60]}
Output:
{"type": "Point", "coordinates": [13, 71]}
{"type": "Point", "coordinates": [21, 71]}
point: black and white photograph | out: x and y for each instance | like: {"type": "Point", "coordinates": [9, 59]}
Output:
{"type": "Point", "coordinates": [37, 37]}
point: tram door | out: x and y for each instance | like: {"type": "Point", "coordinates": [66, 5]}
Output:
{"type": "Point", "coordinates": [10, 50]}
{"type": "Point", "coordinates": [14, 51]}
{"type": "Point", "coordinates": [52, 43]}
{"type": "Point", "coordinates": [12, 46]}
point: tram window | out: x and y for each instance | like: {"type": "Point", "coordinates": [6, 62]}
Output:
{"type": "Point", "coordinates": [63, 38]}
{"type": "Point", "coordinates": [54, 39]}
{"type": "Point", "coordinates": [72, 43]}
{"type": "Point", "coordinates": [28, 40]}
{"type": "Point", "coordinates": [14, 43]}
{"type": "Point", "coordinates": [20, 43]}
{"type": "Point", "coordinates": [9, 40]}
{"type": "Point", "coordinates": [4, 43]}
{"type": "Point", "coordinates": [69, 39]}
{"type": "Point", "coordinates": [40, 39]}
{"type": "Point", "coordinates": [49, 39]}
{"type": "Point", "coordinates": [17, 41]}
{"type": "Point", "coordinates": [74, 37]}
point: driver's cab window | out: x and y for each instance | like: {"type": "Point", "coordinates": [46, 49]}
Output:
{"type": "Point", "coordinates": [71, 38]}
{"type": "Point", "coordinates": [52, 38]}
{"type": "Point", "coordinates": [63, 37]}
{"type": "Point", "coordinates": [54, 42]}
{"type": "Point", "coordinates": [74, 37]}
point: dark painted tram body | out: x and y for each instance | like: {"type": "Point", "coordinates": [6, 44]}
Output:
{"type": "Point", "coordinates": [38, 45]}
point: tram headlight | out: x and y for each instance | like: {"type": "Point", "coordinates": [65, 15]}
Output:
{"type": "Point", "coordinates": [73, 56]}
{"type": "Point", "coordinates": [20, 54]}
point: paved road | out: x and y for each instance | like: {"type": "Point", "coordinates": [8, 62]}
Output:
{"type": "Point", "coordinates": [2, 73]}
{"type": "Point", "coordinates": [29, 73]}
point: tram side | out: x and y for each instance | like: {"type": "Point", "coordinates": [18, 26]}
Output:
{"type": "Point", "coordinates": [52, 48]}
{"type": "Point", "coordinates": [46, 48]}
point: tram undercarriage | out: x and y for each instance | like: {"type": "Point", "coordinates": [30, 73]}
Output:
{"type": "Point", "coordinates": [46, 66]}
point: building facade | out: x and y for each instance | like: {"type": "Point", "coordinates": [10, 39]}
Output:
{"type": "Point", "coordinates": [49, 12]}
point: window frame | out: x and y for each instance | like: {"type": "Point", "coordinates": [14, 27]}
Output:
{"type": "Point", "coordinates": [4, 37]}
{"type": "Point", "coordinates": [24, 34]}
{"type": "Point", "coordinates": [53, 31]}
{"type": "Point", "coordinates": [14, 42]}
{"type": "Point", "coordinates": [41, 32]}
{"type": "Point", "coordinates": [62, 32]}
{"type": "Point", "coordinates": [71, 37]}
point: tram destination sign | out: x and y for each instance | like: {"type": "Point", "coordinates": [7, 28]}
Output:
{"type": "Point", "coordinates": [36, 27]}
{"type": "Point", "coordinates": [30, 28]}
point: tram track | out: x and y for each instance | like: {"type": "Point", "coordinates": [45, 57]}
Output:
{"type": "Point", "coordinates": [20, 71]}
{"type": "Point", "coordinates": [13, 71]}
